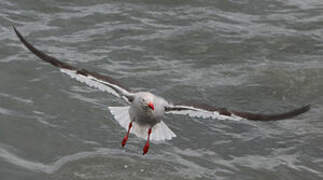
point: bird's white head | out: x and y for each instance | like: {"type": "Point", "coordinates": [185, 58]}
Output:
{"type": "Point", "coordinates": [146, 101]}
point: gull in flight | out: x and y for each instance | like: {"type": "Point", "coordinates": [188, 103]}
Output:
{"type": "Point", "coordinates": [144, 114]}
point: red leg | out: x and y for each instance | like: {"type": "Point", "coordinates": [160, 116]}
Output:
{"type": "Point", "coordinates": [146, 147]}
{"type": "Point", "coordinates": [124, 141]}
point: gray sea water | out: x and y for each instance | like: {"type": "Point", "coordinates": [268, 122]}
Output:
{"type": "Point", "coordinates": [259, 56]}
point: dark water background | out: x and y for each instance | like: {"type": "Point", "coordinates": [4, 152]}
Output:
{"type": "Point", "coordinates": [261, 56]}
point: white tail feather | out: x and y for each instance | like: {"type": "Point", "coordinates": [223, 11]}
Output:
{"type": "Point", "coordinates": [160, 131]}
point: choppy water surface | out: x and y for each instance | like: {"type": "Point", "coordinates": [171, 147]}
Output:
{"type": "Point", "coordinates": [261, 56]}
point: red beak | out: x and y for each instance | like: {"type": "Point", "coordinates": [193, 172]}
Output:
{"type": "Point", "coordinates": [151, 105]}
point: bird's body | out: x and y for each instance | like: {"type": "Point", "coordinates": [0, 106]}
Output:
{"type": "Point", "coordinates": [144, 115]}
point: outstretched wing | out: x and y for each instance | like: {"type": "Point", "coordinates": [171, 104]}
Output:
{"type": "Point", "coordinates": [92, 79]}
{"type": "Point", "coordinates": [223, 113]}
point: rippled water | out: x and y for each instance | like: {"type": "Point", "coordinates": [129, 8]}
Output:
{"type": "Point", "coordinates": [261, 56]}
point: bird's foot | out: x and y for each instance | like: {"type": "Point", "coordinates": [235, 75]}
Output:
{"type": "Point", "coordinates": [124, 141]}
{"type": "Point", "coordinates": [146, 147]}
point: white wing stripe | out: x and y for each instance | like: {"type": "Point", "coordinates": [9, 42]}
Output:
{"type": "Point", "coordinates": [89, 80]}
{"type": "Point", "coordinates": [121, 90]}
{"type": "Point", "coordinates": [201, 113]}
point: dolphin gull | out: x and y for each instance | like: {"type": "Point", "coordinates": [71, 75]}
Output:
{"type": "Point", "coordinates": [143, 117]}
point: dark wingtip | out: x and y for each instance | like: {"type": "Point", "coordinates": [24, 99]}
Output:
{"type": "Point", "coordinates": [14, 27]}
{"type": "Point", "coordinates": [16, 31]}
{"type": "Point", "coordinates": [302, 109]}
{"type": "Point", "coordinates": [42, 55]}
{"type": "Point", "coordinates": [307, 107]}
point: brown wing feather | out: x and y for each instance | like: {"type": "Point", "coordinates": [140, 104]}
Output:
{"type": "Point", "coordinates": [59, 64]}
{"type": "Point", "coordinates": [272, 117]}
{"type": "Point", "coordinates": [42, 55]}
